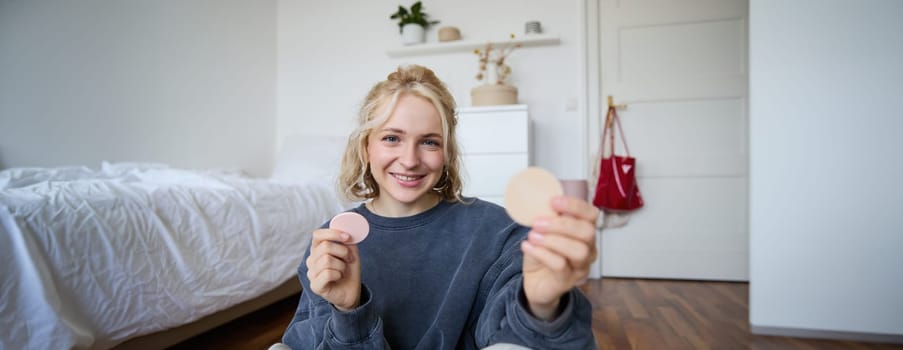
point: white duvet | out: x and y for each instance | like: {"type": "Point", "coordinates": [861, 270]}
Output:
{"type": "Point", "coordinates": [91, 258]}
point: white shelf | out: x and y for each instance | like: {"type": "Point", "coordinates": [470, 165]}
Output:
{"type": "Point", "coordinates": [496, 108]}
{"type": "Point", "coordinates": [470, 45]}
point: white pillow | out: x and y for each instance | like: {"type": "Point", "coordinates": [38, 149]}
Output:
{"type": "Point", "coordinates": [309, 158]}
{"type": "Point", "coordinates": [27, 176]}
{"type": "Point", "coordinates": [119, 168]}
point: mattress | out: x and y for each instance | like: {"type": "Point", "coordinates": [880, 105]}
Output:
{"type": "Point", "coordinates": [91, 258]}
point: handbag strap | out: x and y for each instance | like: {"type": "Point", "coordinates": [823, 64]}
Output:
{"type": "Point", "coordinates": [612, 118]}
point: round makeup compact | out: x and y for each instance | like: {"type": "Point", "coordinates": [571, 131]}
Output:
{"type": "Point", "coordinates": [529, 194]}
{"type": "Point", "coordinates": [353, 224]}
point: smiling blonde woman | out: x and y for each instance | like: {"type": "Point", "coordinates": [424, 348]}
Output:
{"type": "Point", "coordinates": [437, 271]}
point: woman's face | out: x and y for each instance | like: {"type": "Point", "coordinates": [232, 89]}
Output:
{"type": "Point", "coordinates": [406, 156]}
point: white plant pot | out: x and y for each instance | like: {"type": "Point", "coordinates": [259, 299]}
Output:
{"type": "Point", "coordinates": [412, 33]}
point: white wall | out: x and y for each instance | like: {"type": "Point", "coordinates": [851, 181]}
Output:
{"type": "Point", "coordinates": [331, 53]}
{"type": "Point", "coordinates": [826, 229]}
{"type": "Point", "coordinates": [189, 83]}
{"type": "Point", "coordinates": [195, 84]}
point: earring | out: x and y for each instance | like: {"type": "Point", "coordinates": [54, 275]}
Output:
{"type": "Point", "coordinates": [443, 181]}
{"type": "Point", "coordinates": [368, 176]}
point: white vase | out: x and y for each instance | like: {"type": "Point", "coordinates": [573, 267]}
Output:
{"type": "Point", "coordinates": [412, 33]}
{"type": "Point", "coordinates": [492, 73]}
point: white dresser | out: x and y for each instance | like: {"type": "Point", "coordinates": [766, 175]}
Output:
{"type": "Point", "coordinates": [495, 143]}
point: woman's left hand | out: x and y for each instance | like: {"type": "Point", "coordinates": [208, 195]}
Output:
{"type": "Point", "coordinates": [558, 254]}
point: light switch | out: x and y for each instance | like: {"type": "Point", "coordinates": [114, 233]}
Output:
{"type": "Point", "coordinates": [570, 105]}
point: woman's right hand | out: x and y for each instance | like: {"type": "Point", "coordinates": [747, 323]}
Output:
{"type": "Point", "coordinates": [334, 269]}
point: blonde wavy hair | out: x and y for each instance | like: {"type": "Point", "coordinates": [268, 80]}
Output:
{"type": "Point", "coordinates": [356, 183]}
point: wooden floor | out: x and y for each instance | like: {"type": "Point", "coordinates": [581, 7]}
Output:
{"type": "Point", "coordinates": [627, 314]}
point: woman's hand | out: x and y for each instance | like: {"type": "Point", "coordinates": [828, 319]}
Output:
{"type": "Point", "coordinates": [558, 254]}
{"type": "Point", "coordinates": [334, 269]}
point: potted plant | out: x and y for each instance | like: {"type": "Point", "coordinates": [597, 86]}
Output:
{"type": "Point", "coordinates": [412, 24]}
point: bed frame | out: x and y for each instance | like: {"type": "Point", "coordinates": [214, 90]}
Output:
{"type": "Point", "coordinates": [173, 336]}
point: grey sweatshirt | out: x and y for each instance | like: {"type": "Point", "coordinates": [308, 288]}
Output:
{"type": "Point", "coordinates": [447, 278]}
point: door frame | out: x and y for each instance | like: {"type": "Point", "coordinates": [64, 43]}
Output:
{"type": "Point", "coordinates": [589, 99]}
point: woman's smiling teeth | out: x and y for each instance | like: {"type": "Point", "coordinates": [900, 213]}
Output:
{"type": "Point", "coordinates": [407, 178]}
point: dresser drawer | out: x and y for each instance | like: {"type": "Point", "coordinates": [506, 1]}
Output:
{"type": "Point", "coordinates": [496, 132]}
{"type": "Point", "coordinates": [488, 175]}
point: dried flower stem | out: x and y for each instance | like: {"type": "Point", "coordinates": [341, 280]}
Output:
{"type": "Point", "coordinates": [497, 56]}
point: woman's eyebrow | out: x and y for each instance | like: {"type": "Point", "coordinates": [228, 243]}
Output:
{"type": "Point", "coordinates": [393, 130]}
{"type": "Point", "coordinates": [402, 132]}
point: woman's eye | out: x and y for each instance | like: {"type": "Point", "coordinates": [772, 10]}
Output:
{"type": "Point", "coordinates": [433, 143]}
{"type": "Point", "coordinates": [390, 138]}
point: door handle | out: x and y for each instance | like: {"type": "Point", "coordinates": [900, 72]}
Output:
{"type": "Point", "coordinates": [611, 103]}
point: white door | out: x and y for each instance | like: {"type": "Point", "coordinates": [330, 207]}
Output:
{"type": "Point", "coordinates": [681, 69]}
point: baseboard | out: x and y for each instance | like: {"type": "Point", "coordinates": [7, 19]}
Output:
{"type": "Point", "coordinates": [821, 334]}
{"type": "Point", "coordinates": [169, 337]}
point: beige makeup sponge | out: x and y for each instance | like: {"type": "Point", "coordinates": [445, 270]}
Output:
{"type": "Point", "coordinates": [529, 193]}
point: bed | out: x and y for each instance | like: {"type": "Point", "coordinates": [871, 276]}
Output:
{"type": "Point", "coordinates": [146, 255]}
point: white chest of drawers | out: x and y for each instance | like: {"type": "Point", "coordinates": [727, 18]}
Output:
{"type": "Point", "coordinates": [495, 145]}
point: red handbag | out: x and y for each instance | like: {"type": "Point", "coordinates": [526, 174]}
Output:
{"type": "Point", "coordinates": [617, 190]}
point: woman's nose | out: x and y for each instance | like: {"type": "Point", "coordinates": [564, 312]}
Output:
{"type": "Point", "coordinates": [410, 157]}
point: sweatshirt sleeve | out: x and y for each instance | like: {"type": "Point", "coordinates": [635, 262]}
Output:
{"type": "Point", "coordinates": [319, 325]}
{"type": "Point", "coordinates": [505, 318]}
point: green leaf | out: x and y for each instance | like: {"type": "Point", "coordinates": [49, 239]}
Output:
{"type": "Point", "coordinates": [416, 15]}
